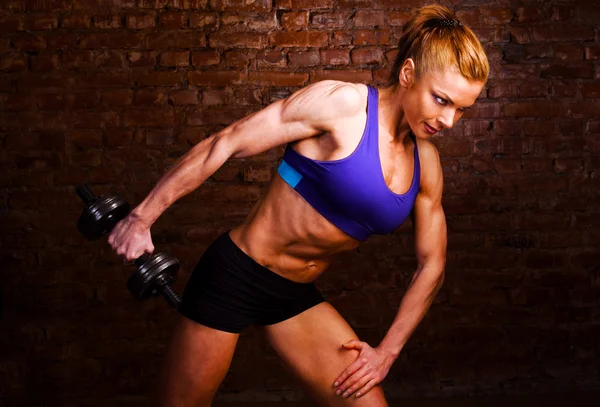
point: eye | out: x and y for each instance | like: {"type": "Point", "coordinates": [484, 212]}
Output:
{"type": "Point", "coordinates": [440, 100]}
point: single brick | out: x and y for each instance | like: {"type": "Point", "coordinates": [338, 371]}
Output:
{"type": "Point", "coordinates": [278, 78]}
{"type": "Point", "coordinates": [299, 39]}
{"type": "Point", "coordinates": [335, 57]}
{"type": "Point", "coordinates": [140, 21]}
{"type": "Point", "coordinates": [304, 58]}
{"type": "Point", "coordinates": [205, 58]}
{"type": "Point", "coordinates": [106, 22]}
{"type": "Point", "coordinates": [184, 97]}
{"type": "Point", "coordinates": [174, 58]}
{"type": "Point", "coordinates": [173, 20]}
{"type": "Point", "coordinates": [367, 18]}
{"type": "Point", "coordinates": [38, 22]}
{"type": "Point", "coordinates": [295, 20]}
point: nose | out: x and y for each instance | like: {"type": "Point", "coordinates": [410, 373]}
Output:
{"type": "Point", "coordinates": [446, 119]}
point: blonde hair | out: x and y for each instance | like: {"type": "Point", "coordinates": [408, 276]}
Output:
{"type": "Point", "coordinates": [436, 41]}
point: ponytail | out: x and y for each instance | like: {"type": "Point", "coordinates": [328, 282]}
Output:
{"type": "Point", "coordinates": [436, 40]}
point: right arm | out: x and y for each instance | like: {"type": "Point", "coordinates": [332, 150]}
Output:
{"type": "Point", "coordinates": [307, 113]}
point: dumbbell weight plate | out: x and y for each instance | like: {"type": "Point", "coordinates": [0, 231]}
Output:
{"type": "Point", "coordinates": [142, 283]}
{"type": "Point", "coordinates": [101, 216]}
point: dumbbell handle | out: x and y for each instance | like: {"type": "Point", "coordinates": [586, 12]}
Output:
{"type": "Point", "coordinates": [167, 292]}
{"type": "Point", "coordinates": [86, 194]}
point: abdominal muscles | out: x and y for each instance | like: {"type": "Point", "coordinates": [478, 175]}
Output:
{"type": "Point", "coordinates": [288, 236]}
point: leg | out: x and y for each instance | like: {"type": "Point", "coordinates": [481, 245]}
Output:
{"type": "Point", "coordinates": [311, 345]}
{"type": "Point", "coordinates": [196, 362]}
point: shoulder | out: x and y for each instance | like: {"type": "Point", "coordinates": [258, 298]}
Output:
{"type": "Point", "coordinates": [329, 99]}
{"type": "Point", "coordinates": [428, 152]}
{"type": "Point", "coordinates": [430, 166]}
{"type": "Point", "coordinates": [350, 97]}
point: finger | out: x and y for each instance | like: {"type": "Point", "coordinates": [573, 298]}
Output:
{"type": "Point", "coordinates": [353, 344]}
{"type": "Point", "coordinates": [349, 371]}
{"type": "Point", "coordinates": [116, 241]}
{"type": "Point", "coordinates": [147, 248]}
{"type": "Point", "coordinates": [126, 255]}
{"type": "Point", "coordinates": [124, 251]}
{"type": "Point", "coordinates": [135, 254]}
{"type": "Point", "coordinates": [367, 387]}
{"type": "Point", "coordinates": [344, 388]}
{"type": "Point", "coordinates": [121, 251]}
{"type": "Point", "coordinates": [132, 253]}
{"type": "Point", "coordinates": [352, 379]}
{"type": "Point", "coordinates": [112, 239]}
{"type": "Point", "coordinates": [359, 384]}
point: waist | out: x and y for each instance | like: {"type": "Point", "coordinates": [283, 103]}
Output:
{"type": "Point", "coordinates": [286, 235]}
{"type": "Point", "coordinates": [288, 262]}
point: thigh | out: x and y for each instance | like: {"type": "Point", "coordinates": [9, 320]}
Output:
{"type": "Point", "coordinates": [311, 345]}
{"type": "Point", "coordinates": [196, 362]}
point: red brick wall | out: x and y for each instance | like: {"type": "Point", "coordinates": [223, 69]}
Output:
{"type": "Point", "coordinates": [111, 92]}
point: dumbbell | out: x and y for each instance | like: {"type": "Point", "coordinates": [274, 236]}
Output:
{"type": "Point", "coordinates": [155, 273]}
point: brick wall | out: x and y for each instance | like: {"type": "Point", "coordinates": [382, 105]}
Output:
{"type": "Point", "coordinates": [112, 92]}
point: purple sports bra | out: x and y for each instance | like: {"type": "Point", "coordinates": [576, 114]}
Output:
{"type": "Point", "coordinates": [351, 192]}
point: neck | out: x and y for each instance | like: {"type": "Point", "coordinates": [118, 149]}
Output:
{"type": "Point", "coordinates": [391, 112]}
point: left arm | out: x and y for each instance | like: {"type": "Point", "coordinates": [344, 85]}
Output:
{"type": "Point", "coordinates": [429, 225]}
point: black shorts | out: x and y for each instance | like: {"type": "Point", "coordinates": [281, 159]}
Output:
{"type": "Point", "coordinates": [228, 291]}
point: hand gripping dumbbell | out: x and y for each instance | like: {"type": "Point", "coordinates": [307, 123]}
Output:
{"type": "Point", "coordinates": [155, 273]}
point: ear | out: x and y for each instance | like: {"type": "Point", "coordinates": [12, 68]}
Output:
{"type": "Point", "coordinates": [407, 74]}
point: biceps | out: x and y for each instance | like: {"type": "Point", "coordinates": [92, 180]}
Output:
{"type": "Point", "coordinates": [430, 232]}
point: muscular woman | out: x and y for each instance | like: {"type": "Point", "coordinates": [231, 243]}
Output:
{"type": "Point", "coordinates": [359, 161]}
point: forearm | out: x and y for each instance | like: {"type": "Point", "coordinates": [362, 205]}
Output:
{"type": "Point", "coordinates": [418, 298]}
{"type": "Point", "coordinates": [188, 173]}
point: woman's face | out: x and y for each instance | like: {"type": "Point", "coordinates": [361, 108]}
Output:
{"type": "Point", "coordinates": [438, 100]}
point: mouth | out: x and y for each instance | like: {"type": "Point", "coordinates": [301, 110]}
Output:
{"type": "Point", "coordinates": [430, 130]}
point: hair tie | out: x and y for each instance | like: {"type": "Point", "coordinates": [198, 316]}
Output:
{"type": "Point", "coordinates": [449, 23]}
